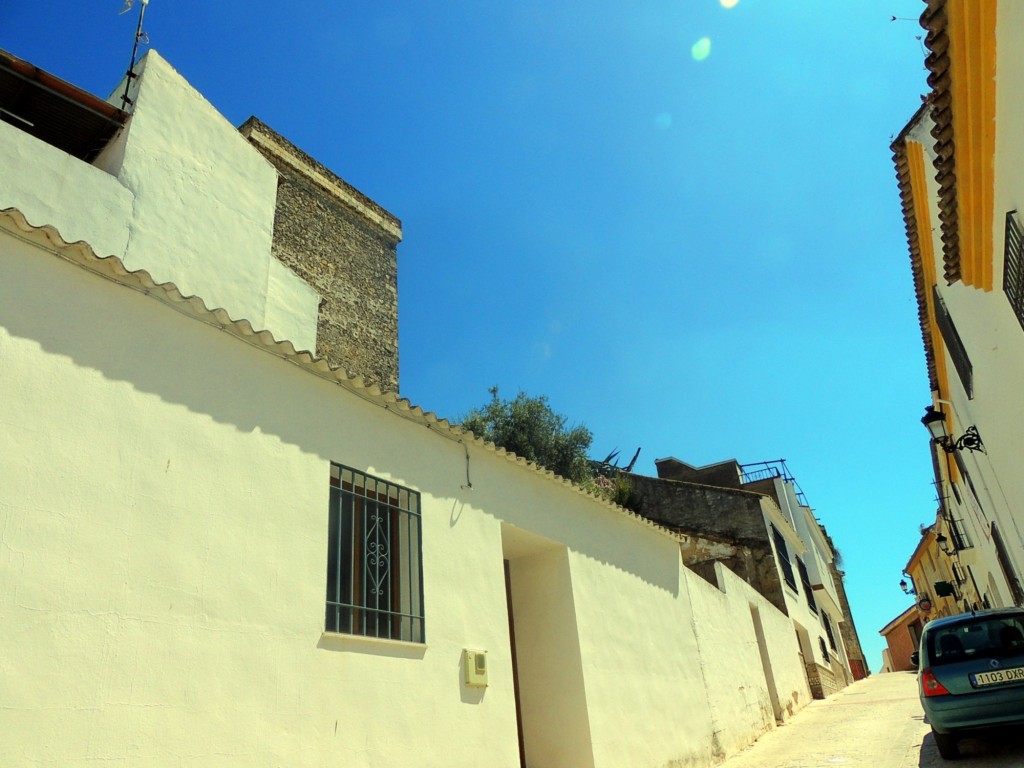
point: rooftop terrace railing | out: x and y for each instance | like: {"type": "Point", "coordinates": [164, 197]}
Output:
{"type": "Point", "coordinates": [763, 470]}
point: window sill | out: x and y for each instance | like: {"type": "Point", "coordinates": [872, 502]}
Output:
{"type": "Point", "coordinates": [375, 646]}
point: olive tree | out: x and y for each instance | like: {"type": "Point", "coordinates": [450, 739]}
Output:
{"type": "Point", "coordinates": [528, 427]}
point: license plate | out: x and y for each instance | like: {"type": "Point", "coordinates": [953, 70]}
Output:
{"type": "Point", "coordinates": [998, 676]}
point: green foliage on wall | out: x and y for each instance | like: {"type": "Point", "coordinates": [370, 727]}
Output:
{"type": "Point", "coordinates": [529, 428]}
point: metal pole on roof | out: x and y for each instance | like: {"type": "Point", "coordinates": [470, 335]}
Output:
{"type": "Point", "coordinates": [140, 38]}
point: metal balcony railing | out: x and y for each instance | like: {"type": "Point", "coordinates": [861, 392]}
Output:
{"type": "Point", "coordinates": [762, 470]}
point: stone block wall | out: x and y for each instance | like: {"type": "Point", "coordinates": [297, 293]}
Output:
{"type": "Point", "coordinates": [345, 246]}
{"type": "Point", "coordinates": [720, 524]}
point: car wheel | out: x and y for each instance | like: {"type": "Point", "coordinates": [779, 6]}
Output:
{"type": "Point", "coordinates": [948, 745]}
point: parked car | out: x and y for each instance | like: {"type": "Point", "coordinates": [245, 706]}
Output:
{"type": "Point", "coordinates": [971, 674]}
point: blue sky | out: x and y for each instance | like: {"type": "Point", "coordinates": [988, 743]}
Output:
{"type": "Point", "coordinates": [701, 258]}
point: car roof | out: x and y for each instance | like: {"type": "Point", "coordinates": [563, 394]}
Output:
{"type": "Point", "coordinates": [959, 618]}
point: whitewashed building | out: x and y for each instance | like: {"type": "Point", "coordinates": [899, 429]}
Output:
{"type": "Point", "coordinates": [959, 165]}
{"type": "Point", "coordinates": [216, 549]}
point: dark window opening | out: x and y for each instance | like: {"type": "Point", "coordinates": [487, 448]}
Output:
{"type": "Point", "coordinates": [956, 348]}
{"type": "Point", "coordinates": [1013, 266]}
{"type": "Point", "coordinates": [784, 562]}
{"type": "Point", "coordinates": [828, 630]}
{"type": "Point", "coordinates": [805, 579]}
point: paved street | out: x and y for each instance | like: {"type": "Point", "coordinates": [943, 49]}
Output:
{"type": "Point", "coordinates": [875, 723]}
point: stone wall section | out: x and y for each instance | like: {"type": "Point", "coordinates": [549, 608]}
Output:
{"type": "Point", "coordinates": [823, 680]}
{"type": "Point", "coordinates": [346, 247]}
{"type": "Point", "coordinates": [718, 524]}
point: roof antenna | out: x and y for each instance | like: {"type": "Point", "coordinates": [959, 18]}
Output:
{"type": "Point", "coordinates": [141, 38]}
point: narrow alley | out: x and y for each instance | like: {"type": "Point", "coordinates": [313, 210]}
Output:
{"type": "Point", "coordinates": [875, 722]}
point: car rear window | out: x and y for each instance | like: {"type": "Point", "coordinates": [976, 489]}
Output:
{"type": "Point", "coordinates": [991, 636]}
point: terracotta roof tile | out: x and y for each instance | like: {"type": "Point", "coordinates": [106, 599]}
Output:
{"type": "Point", "coordinates": [937, 41]}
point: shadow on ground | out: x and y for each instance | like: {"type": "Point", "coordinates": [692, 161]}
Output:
{"type": "Point", "coordinates": [1001, 748]}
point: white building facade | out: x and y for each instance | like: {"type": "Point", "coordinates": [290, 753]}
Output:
{"type": "Point", "coordinates": [218, 550]}
{"type": "Point", "coordinates": [958, 164]}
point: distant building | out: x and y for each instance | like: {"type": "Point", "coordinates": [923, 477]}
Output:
{"type": "Point", "coordinates": [754, 520]}
{"type": "Point", "coordinates": [940, 585]}
{"type": "Point", "coordinates": [902, 636]}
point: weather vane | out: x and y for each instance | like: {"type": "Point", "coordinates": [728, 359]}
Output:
{"type": "Point", "coordinates": [141, 38]}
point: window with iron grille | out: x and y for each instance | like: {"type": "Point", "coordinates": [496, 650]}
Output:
{"type": "Point", "coordinates": [958, 533]}
{"type": "Point", "coordinates": [824, 650]}
{"type": "Point", "coordinates": [374, 571]}
{"type": "Point", "coordinates": [954, 345]}
{"type": "Point", "coordinates": [783, 552]}
{"type": "Point", "coordinates": [805, 579]}
{"type": "Point", "coordinates": [962, 466]}
{"type": "Point", "coordinates": [1013, 266]}
{"type": "Point", "coordinates": [827, 622]}
{"type": "Point", "coordinates": [958, 574]}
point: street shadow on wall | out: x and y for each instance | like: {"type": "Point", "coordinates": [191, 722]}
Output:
{"type": "Point", "coordinates": [151, 348]}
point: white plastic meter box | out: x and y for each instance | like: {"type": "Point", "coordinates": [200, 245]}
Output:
{"type": "Point", "coordinates": [475, 664]}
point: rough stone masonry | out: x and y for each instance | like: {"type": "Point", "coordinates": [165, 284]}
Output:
{"type": "Point", "coordinates": [345, 246]}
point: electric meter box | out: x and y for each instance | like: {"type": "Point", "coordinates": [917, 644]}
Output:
{"type": "Point", "coordinates": [475, 664]}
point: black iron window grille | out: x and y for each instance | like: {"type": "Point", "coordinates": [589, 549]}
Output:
{"type": "Point", "coordinates": [958, 574]}
{"type": "Point", "coordinates": [374, 568]}
{"type": "Point", "coordinates": [1013, 266]}
{"type": "Point", "coordinates": [805, 579]}
{"type": "Point", "coordinates": [958, 533]}
{"type": "Point", "coordinates": [824, 650]}
{"type": "Point", "coordinates": [956, 348]}
{"type": "Point", "coordinates": [784, 562]}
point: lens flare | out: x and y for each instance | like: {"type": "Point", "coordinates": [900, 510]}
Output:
{"type": "Point", "coordinates": [701, 49]}
{"type": "Point", "coordinates": [729, 3]}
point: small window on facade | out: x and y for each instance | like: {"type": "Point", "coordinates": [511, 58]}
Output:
{"type": "Point", "coordinates": [827, 622]}
{"type": "Point", "coordinates": [374, 573]}
{"type": "Point", "coordinates": [805, 579]}
{"type": "Point", "coordinates": [958, 533]}
{"type": "Point", "coordinates": [784, 562]}
{"type": "Point", "coordinates": [954, 345]}
{"type": "Point", "coordinates": [1013, 266]}
{"type": "Point", "coordinates": [962, 466]}
{"type": "Point", "coordinates": [824, 650]}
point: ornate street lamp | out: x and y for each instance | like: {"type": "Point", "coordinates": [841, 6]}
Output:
{"type": "Point", "coordinates": [935, 421]}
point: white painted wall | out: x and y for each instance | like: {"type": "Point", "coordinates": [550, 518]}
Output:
{"type": "Point", "coordinates": [181, 194]}
{"type": "Point", "coordinates": [995, 344]}
{"type": "Point", "coordinates": [52, 187]}
{"type": "Point", "coordinates": [162, 570]}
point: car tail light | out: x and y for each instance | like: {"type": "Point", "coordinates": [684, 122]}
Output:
{"type": "Point", "coordinates": [931, 686]}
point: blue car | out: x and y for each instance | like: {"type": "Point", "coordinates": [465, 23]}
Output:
{"type": "Point", "coordinates": [971, 674]}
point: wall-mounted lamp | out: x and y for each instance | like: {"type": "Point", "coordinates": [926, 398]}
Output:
{"type": "Point", "coordinates": [908, 589]}
{"type": "Point", "coordinates": [943, 543]}
{"type": "Point", "coordinates": [935, 421]}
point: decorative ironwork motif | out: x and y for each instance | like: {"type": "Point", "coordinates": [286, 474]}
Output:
{"type": "Point", "coordinates": [377, 554]}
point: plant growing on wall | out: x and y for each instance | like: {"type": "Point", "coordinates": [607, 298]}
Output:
{"type": "Point", "coordinates": [529, 428]}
